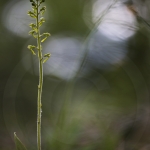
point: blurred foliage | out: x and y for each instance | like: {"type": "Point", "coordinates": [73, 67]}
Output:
{"type": "Point", "coordinates": [104, 109]}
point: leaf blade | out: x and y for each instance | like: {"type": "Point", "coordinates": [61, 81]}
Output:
{"type": "Point", "coordinates": [18, 143]}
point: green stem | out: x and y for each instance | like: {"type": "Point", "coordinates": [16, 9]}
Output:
{"type": "Point", "coordinates": [39, 104]}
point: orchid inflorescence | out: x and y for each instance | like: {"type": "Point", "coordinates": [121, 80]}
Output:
{"type": "Point", "coordinates": [35, 27]}
{"type": "Point", "coordinates": [37, 13]}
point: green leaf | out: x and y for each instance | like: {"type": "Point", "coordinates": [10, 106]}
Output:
{"type": "Point", "coordinates": [18, 143]}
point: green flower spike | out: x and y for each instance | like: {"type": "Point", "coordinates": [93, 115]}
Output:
{"type": "Point", "coordinates": [37, 13]}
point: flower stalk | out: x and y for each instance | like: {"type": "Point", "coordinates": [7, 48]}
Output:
{"type": "Point", "coordinates": [37, 13]}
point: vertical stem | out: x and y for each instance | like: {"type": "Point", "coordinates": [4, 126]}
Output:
{"type": "Point", "coordinates": [39, 104]}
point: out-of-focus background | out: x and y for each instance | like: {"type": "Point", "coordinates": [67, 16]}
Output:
{"type": "Point", "coordinates": [96, 83]}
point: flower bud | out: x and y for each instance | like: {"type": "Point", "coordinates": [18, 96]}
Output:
{"type": "Point", "coordinates": [33, 4]}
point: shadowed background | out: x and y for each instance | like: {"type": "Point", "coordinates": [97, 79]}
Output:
{"type": "Point", "coordinates": [96, 83]}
